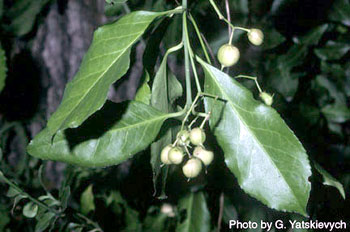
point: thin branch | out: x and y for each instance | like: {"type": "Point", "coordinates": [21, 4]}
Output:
{"type": "Point", "coordinates": [186, 53]}
{"type": "Point", "coordinates": [199, 35]}
{"type": "Point", "coordinates": [211, 53]}
{"type": "Point", "coordinates": [18, 189]}
{"type": "Point", "coordinates": [228, 16]}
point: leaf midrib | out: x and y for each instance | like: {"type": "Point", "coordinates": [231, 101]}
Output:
{"type": "Point", "coordinates": [165, 116]}
{"type": "Point", "coordinates": [93, 85]}
{"type": "Point", "coordinates": [100, 77]}
{"type": "Point", "coordinates": [255, 138]}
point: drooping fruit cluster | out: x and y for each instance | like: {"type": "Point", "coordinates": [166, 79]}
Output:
{"type": "Point", "coordinates": [228, 54]}
{"type": "Point", "coordinates": [175, 153]}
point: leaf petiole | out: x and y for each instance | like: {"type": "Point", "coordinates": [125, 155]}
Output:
{"type": "Point", "coordinates": [251, 78]}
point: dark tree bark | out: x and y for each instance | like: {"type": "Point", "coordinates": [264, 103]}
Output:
{"type": "Point", "coordinates": [59, 46]}
{"type": "Point", "coordinates": [61, 43]}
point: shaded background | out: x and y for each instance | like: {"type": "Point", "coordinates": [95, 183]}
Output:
{"type": "Point", "coordinates": [304, 61]}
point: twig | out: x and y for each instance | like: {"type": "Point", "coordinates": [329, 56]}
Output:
{"type": "Point", "coordinates": [20, 191]}
{"type": "Point", "coordinates": [211, 53]}
{"type": "Point", "coordinates": [228, 16]}
{"type": "Point", "coordinates": [186, 55]}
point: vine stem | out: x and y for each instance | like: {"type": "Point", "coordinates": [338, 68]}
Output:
{"type": "Point", "coordinates": [199, 89]}
{"type": "Point", "coordinates": [89, 221]}
{"type": "Point", "coordinates": [221, 17]}
{"type": "Point", "coordinates": [39, 203]}
{"type": "Point", "coordinates": [227, 4]}
{"type": "Point", "coordinates": [199, 35]}
{"type": "Point", "coordinates": [186, 54]}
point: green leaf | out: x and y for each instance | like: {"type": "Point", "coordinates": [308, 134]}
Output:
{"type": "Point", "coordinates": [143, 94]}
{"type": "Point", "coordinates": [286, 82]}
{"type": "Point", "coordinates": [116, 1]}
{"type": "Point", "coordinates": [154, 222]}
{"type": "Point", "coordinates": [3, 69]}
{"type": "Point", "coordinates": [165, 90]}
{"type": "Point", "coordinates": [160, 98]}
{"type": "Point", "coordinates": [241, 7]}
{"type": "Point", "coordinates": [300, 219]}
{"type": "Point", "coordinates": [272, 38]}
{"type": "Point", "coordinates": [87, 203]}
{"type": "Point", "coordinates": [335, 70]}
{"type": "Point", "coordinates": [4, 217]}
{"type": "Point", "coordinates": [314, 36]}
{"type": "Point", "coordinates": [279, 5]}
{"type": "Point", "coordinates": [229, 211]}
{"type": "Point", "coordinates": [44, 222]}
{"type": "Point", "coordinates": [310, 113]}
{"type": "Point", "coordinates": [75, 227]}
{"type": "Point", "coordinates": [132, 221]}
{"type": "Point", "coordinates": [64, 195]}
{"type": "Point", "coordinates": [340, 12]}
{"type": "Point", "coordinates": [332, 89]}
{"type": "Point", "coordinates": [152, 49]}
{"type": "Point", "coordinates": [335, 128]}
{"type": "Point", "coordinates": [30, 210]}
{"type": "Point", "coordinates": [294, 56]}
{"type": "Point", "coordinates": [332, 51]}
{"type": "Point", "coordinates": [255, 214]}
{"type": "Point", "coordinates": [337, 113]}
{"type": "Point", "coordinates": [17, 199]}
{"type": "Point", "coordinates": [329, 180]}
{"type": "Point", "coordinates": [49, 200]}
{"type": "Point", "coordinates": [113, 9]}
{"type": "Point", "coordinates": [106, 61]}
{"type": "Point", "coordinates": [111, 136]}
{"type": "Point", "coordinates": [197, 214]}
{"type": "Point", "coordinates": [280, 71]}
{"type": "Point", "coordinates": [23, 15]}
{"type": "Point", "coordinates": [12, 192]}
{"type": "Point", "coordinates": [175, 89]}
{"type": "Point", "coordinates": [260, 150]}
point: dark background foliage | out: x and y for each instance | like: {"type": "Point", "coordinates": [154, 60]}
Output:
{"type": "Point", "coordinates": [304, 62]}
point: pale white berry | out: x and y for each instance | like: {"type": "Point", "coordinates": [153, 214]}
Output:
{"type": "Point", "coordinates": [228, 55]}
{"type": "Point", "coordinates": [176, 155]}
{"type": "Point", "coordinates": [267, 98]}
{"type": "Point", "coordinates": [164, 155]}
{"type": "Point", "coordinates": [192, 168]}
{"type": "Point", "coordinates": [204, 155]}
{"type": "Point", "coordinates": [183, 137]}
{"type": "Point", "coordinates": [168, 210]}
{"type": "Point", "coordinates": [256, 36]}
{"type": "Point", "coordinates": [197, 136]}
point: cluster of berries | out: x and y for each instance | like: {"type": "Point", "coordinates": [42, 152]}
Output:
{"type": "Point", "coordinates": [174, 153]}
{"type": "Point", "coordinates": [228, 54]}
